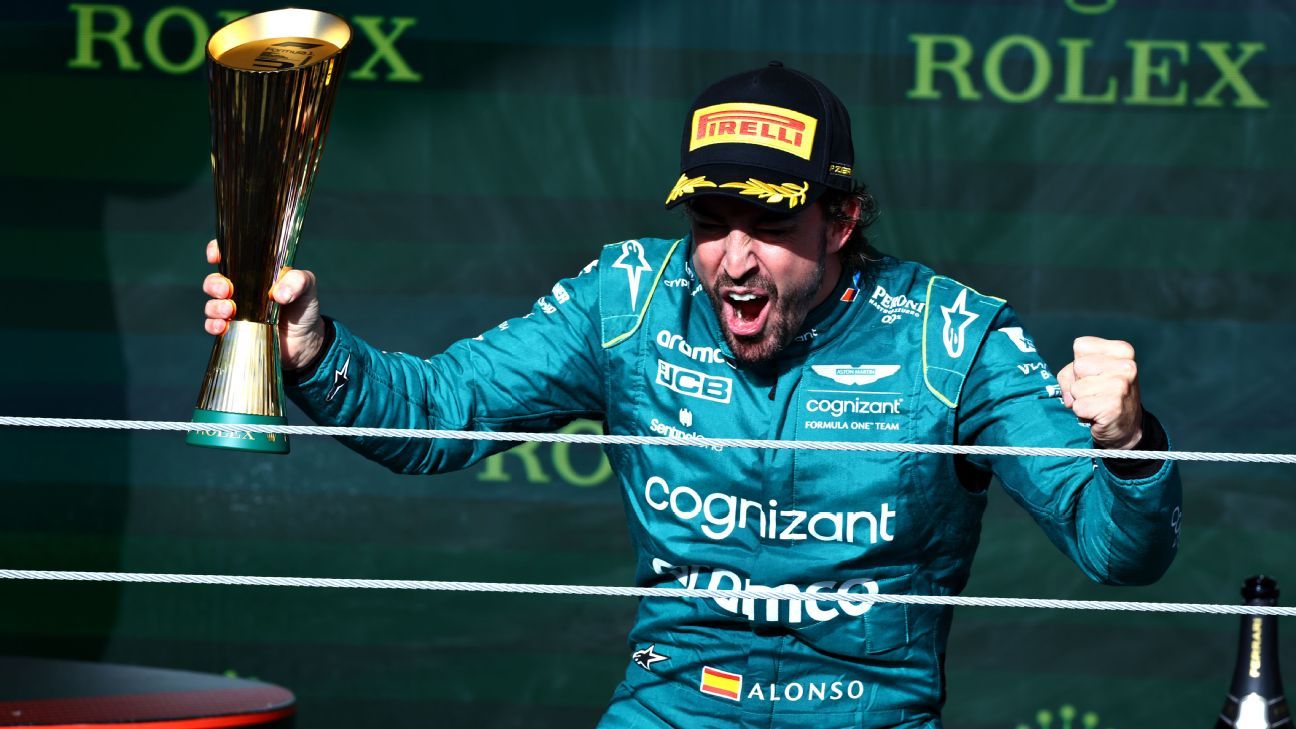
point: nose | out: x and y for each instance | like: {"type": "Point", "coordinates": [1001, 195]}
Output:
{"type": "Point", "coordinates": [739, 255]}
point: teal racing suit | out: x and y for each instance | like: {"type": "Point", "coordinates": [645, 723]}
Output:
{"type": "Point", "coordinates": [897, 355]}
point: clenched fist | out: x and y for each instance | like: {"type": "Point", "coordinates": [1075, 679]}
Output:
{"type": "Point", "coordinates": [1101, 388]}
{"type": "Point", "coordinates": [301, 329]}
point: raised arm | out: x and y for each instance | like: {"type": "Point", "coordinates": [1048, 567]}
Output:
{"type": "Point", "coordinates": [533, 373]}
{"type": "Point", "coordinates": [1117, 519]}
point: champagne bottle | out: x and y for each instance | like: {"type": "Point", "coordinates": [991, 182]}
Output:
{"type": "Point", "coordinates": [1255, 700]}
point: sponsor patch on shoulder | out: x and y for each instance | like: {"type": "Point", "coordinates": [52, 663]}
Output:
{"type": "Point", "coordinates": [633, 262]}
{"type": "Point", "coordinates": [560, 294]}
{"type": "Point", "coordinates": [957, 319]}
{"type": "Point", "coordinates": [893, 308]}
{"type": "Point", "coordinates": [1019, 338]}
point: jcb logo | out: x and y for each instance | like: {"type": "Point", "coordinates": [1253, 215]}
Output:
{"type": "Point", "coordinates": [105, 32]}
{"type": "Point", "coordinates": [693, 383]}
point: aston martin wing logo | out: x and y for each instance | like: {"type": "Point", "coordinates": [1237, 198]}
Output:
{"type": "Point", "coordinates": [864, 374]}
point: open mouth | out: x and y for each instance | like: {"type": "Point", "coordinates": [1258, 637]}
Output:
{"type": "Point", "coordinates": [745, 312]}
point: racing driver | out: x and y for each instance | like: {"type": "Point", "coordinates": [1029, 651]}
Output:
{"type": "Point", "coordinates": [774, 319]}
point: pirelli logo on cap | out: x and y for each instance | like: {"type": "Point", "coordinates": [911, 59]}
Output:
{"type": "Point", "coordinates": [767, 126]}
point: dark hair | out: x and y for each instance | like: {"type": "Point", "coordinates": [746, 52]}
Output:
{"type": "Point", "coordinates": [857, 253]}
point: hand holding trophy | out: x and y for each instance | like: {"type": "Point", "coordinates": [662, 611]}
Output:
{"type": "Point", "coordinates": [273, 77]}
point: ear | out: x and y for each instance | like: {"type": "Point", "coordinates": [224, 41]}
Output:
{"type": "Point", "coordinates": [839, 232]}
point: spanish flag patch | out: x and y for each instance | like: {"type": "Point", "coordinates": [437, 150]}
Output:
{"type": "Point", "coordinates": [721, 683]}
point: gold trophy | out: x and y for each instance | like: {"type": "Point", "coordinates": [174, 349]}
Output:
{"type": "Point", "coordinates": [273, 77]}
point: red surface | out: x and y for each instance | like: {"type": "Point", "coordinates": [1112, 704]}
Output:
{"type": "Point", "coordinates": [217, 707]}
{"type": "Point", "coordinates": [212, 722]}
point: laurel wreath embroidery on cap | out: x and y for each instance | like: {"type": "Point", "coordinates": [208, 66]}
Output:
{"type": "Point", "coordinates": [686, 185]}
{"type": "Point", "coordinates": [793, 193]}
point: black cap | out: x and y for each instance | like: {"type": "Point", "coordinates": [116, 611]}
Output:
{"type": "Point", "coordinates": [772, 136]}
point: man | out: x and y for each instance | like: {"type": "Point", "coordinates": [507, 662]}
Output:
{"type": "Point", "coordinates": [774, 319]}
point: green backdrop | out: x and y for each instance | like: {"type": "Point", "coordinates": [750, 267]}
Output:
{"type": "Point", "coordinates": [1112, 167]}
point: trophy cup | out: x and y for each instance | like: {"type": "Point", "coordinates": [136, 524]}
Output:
{"type": "Point", "coordinates": [273, 77]}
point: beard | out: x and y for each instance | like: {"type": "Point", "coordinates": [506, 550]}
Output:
{"type": "Point", "coordinates": [787, 310]}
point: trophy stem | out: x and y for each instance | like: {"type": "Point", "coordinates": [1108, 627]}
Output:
{"type": "Point", "coordinates": [272, 79]}
{"type": "Point", "coordinates": [243, 386]}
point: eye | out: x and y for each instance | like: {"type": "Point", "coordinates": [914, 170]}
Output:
{"type": "Point", "coordinates": [774, 231]}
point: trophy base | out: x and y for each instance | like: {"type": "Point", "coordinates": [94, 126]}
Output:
{"type": "Point", "coordinates": [276, 443]}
